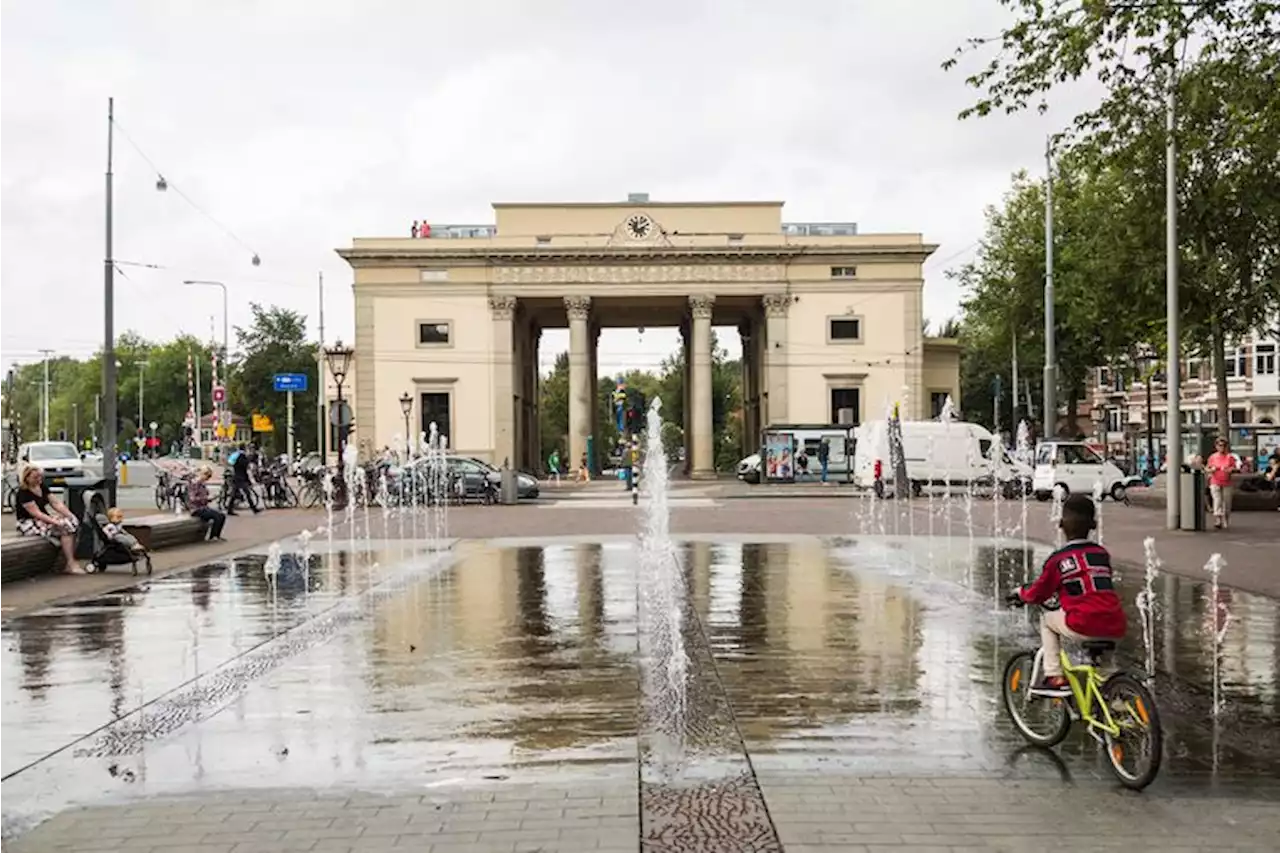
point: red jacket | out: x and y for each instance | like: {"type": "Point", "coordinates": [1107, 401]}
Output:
{"type": "Point", "coordinates": [1079, 573]}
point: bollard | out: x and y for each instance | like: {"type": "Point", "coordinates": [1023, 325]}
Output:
{"type": "Point", "coordinates": [509, 490]}
{"type": "Point", "coordinates": [124, 473]}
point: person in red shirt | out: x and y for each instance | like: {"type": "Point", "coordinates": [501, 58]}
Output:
{"type": "Point", "coordinates": [1221, 465]}
{"type": "Point", "coordinates": [1079, 575]}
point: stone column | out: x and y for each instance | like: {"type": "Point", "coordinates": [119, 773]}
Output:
{"type": "Point", "coordinates": [595, 396]}
{"type": "Point", "coordinates": [503, 309]}
{"type": "Point", "coordinates": [748, 429]}
{"type": "Point", "coordinates": [775, 356]}
{"type": "Point", "coordinates": [686, 430]}
{"type": "Point", "coordinates": [579, 311]}
{"type": "Point", "coordinates": [700, 416]}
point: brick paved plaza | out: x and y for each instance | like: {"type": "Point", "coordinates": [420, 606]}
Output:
{"type": "Point", "coordinates": [493, 704]}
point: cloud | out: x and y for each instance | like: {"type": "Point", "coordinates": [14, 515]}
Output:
{"type": "Point", "coordinates": [299, 125]}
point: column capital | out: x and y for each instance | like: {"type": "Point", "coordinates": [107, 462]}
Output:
{"type": "Point", "coordinates": [701, 305]}
{"type": "Point", "coordinates": [578, 307]}
{"type": "Point", "coordinates": [776, 304]}
{"type": "Point", "coordinates": [503, 307]}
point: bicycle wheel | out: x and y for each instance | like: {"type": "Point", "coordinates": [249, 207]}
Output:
{"type": "Point", "coordinates": [162, 496]}
{"type": "Point", "coordinates": [1042, 720]}
{"type": "Point", "coordinates": [1134, 755]}
{"type": "Point", "coordinates": [287, 497]}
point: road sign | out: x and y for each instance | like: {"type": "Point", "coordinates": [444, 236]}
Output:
{"type": "Point", "coordinates": [340, 417]}
{"type": "Point", "coordinates": [262, 423]}
{"type": "Point", "coordinates": [291, 382]}
{"type": "Point", "coordinates": [219, 394]}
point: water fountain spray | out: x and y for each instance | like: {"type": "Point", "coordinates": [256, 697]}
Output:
{"type": "Point", "coordinates": [1098, 492]}
{"type": "Point", "coordinates": [1146, 602]}
{"type": "Point", "coordinates": [304, 556]}
{"type": "Point", "coordinates": [1055, 516]}
{"type": "Point", "coordinates": [1221, 615]}
{"type": "Point", "coordinates": [1024, 455]}
{"type": "Point", "coordinates": [662, 588]}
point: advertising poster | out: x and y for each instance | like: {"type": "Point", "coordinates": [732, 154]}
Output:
{"type": "Point", "coordinates": [779, 456]}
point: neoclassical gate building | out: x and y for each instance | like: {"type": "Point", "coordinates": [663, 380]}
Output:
{"type": "Point", "coordinates": [830, 320]}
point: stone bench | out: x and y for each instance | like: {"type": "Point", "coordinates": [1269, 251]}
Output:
{"type": "Point", "coordinates": [29, 556]}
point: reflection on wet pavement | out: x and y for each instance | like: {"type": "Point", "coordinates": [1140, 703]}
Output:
{"type": "Point", "coordinates": [384, 671]}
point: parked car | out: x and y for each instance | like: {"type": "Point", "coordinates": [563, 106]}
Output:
{"type": "Point", "coordinates": [476, 473]}
{"type": "Point", "coordinates": [749, 469]}
{"type": "Point", "coordinates": [57, 459]}
{"type": "Point", "coordinates": [941, 453]}
{"type": "Point", "coordinates": [1073, 466]}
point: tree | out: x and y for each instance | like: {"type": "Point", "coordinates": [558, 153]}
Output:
{"type": "Point", "coordinates": [1104, 285]}
{"type": "Point", "coordinates": [1131, 47]}
{"type": "Point", "coordinates": [275, 342]}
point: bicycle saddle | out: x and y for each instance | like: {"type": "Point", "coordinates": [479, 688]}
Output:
{"type": "Point", "coordinates": [1098, 646]}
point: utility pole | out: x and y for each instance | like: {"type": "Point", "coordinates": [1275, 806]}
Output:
{"type": "Point", "coordinates": [142, 391]}
{"type": "Point", "coordinates": [321, 386]}
{"type": "Point", "coordinates": [1173, 422]}
{"type": "Point", "coordinates": [1013, 421]}
{"type": "Point", "coordinates": [75, 423]}
{"type": "Point", "coordinates": [44, 397]}
{"type": "Point", "coordinates": [109, 425]}
{"type": "Point", "coordinates": [1050, 348]}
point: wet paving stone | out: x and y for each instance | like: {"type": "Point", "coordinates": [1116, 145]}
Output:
{"type": "Point", "coordinates": [840, 694]}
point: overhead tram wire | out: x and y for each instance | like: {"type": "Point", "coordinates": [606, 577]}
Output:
{"type": "Point", "coordinates": [163, 183]}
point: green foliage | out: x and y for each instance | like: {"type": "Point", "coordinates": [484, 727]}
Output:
{"type": "Point", "coordinates": [275, 342]}
{"type": "Point", "coordinates": [667, 384]}
{"type": "Point", "coordinates": [1130, 47]}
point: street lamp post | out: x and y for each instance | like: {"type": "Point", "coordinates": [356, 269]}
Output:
{"type": "Point", "coordinates": [226, 339]}
{"type": "Point", "coordinates": [406, 406]}
{"type": "Point", "coordinates": [339, 359]}
{"type": "Point", "coordinates": [142, 395]}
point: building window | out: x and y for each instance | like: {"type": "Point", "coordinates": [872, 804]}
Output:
{"type": "Point", "coordinates": [1209, 416]}
{"type": "Point", "coordinates": [844, 272]}
{"type": "Point", "coordinates": [435, 409]}
{"type": "Point", "coordinates": [434, 275]}
{"type": "Point", "coordinates": [1239, 416]}
{"type": "Point", "coordinates": [1115, 420]}
{"type": "Point", "coordinates": [434, 333]}
{"type": "Point", "coordinates": [846, 406]}
{"type": "Point", "coordinates": [1157, 421]}
{"type": "Point", "coordinates": [1264, 359]}
{"type": "Point", "coordinates": [1236, 362]}
{"type": "Point", "coordinates": [844, 329]}
{"type": "Point", "coordinates": [937, 399]}
{"type": "Point", "coordinates": [544, 241]}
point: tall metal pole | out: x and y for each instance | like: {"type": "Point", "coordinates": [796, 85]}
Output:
{"type": "Point", "coordinates": [44, 398]}
{"type": "Point", "coordinates": [1173, 420]}
{"type": "Point", "coordinates": [1013, 420]}
{"type": "Point", "coordinates": [1050, 348]}
{"type": "Point", "coordinates": [197, 412]}
{"type": "Point", "coordinates": [109, 436]}
{"type": "Point", "coordinates": [322, 390]}
{"type": "Point", "coordinates": [142, 392]}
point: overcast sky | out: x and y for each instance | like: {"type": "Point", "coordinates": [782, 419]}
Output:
{"type": "Point", "coordinates": [298, 125]}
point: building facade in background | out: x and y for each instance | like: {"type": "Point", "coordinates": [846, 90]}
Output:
{"type": "Point", "coordinates": [830, 320]}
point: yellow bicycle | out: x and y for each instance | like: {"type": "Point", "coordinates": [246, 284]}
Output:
{"type": "Point", "coordinates": [1119, 712]}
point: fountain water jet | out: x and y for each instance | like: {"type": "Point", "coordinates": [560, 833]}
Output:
{"type": "Point", "coordinates": [1221, 616]}
{"type": "Point", "coordinates": [1146, 602]}
{"type": "Point", "coordinates": [662, 594]}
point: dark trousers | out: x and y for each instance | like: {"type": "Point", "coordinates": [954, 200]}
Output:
{"type": "Point", "coordinates": [242, 489]}
{"type": "Point", "coordinates": [211, 517]}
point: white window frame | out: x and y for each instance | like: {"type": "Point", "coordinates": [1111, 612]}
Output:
{"type": "Point", "coordinates": [862, 329]}
{"type": "Point", "coordinates": [844, 271]}
{"type": "Point", "coordinates": [417, 334]}
{"type": "Point", "coordinates": [1264, 359]}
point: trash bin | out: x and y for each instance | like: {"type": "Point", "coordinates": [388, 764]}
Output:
{"type": "Point", "coordinates": [1191, 509]}
{"type": "Point", "coordinates": [510, 490]}
{"type": "Point", "coordinates": [86, 495]}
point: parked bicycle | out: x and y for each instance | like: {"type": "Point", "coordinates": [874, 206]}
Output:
{"type": "Point", "coordinates": [1119, 712]}
{"type": "Point", "coordinates": [171, 490]}
{"type": "Point", "coordinates": [276, 490]}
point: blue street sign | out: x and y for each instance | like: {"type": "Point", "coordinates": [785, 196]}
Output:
{"type": "Point", "coordinates": [291, 381]}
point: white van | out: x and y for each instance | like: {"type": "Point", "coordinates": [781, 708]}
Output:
{"type": "Point", "coordinates": [938, 453]}
{"type": "Point", "coordinates": [1074, 466]}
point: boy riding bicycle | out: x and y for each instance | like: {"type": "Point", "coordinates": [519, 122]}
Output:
{"type": "Point", "coordinates": [1079, 574]}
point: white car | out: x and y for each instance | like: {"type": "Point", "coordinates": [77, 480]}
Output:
{"type": "Point", "coordinates": [749, 469]}
{"type": "Point", "coordinates": [1073, 466]}
{"type": "Point", "coordinates": [57, 459]}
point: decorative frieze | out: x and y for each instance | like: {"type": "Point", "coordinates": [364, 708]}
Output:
{"type": "Point", "coordinates": [776, 304]}
{"type": "Point", "coordinates": [578, 307]}
{"type": "Point", "coordinates": [637, 273]}
{"type": "Point", "coordinates": [701, 306]}
{"type": "Point", "coordinates": [503, 307]}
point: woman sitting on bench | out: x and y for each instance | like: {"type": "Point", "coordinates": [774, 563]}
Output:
{"type": "Point", "coordinates": [39, 513]}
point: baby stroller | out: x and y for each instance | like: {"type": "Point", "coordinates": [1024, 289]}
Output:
{"type": "Point", "coordinates": [108, 552]}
